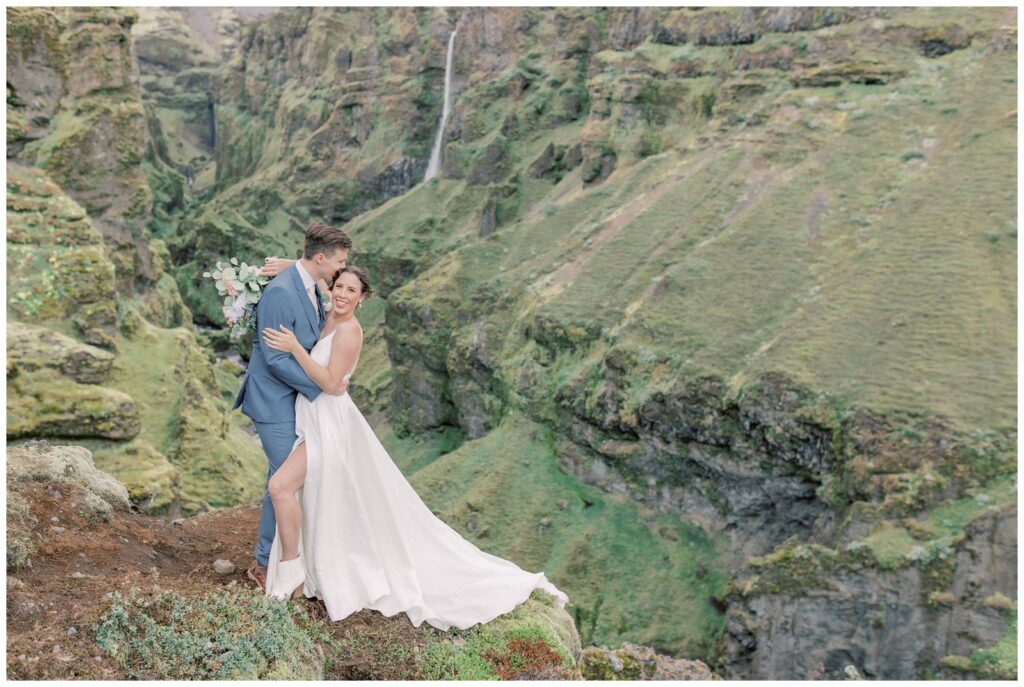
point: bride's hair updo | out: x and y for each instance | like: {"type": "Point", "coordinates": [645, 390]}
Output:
{"type": "Point", "coordinates": [361, 273]}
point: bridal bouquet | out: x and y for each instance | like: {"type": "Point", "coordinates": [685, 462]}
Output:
{"type": "Point", "coordinates": [241, 286]}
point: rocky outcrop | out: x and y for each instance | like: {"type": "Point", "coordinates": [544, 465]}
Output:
{"type": "Point", "coordinates": [30, 349]}
{"type": "Point", "coordinates": [57, 266]}
{"type": "Point", "coordinates": [87, 130]}
{"type": "Point", "coordinates": [838, 610]}
{"type": "Point", "coordinates": [95, 495]}
{"type": "Point", "coordinates": [52, 392]}
{"type": "Point", "coordinates": [632, 662]}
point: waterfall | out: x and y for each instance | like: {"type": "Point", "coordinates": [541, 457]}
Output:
{"type": "Point", "coordinates": [435, 154]}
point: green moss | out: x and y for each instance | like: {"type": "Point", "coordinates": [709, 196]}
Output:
{"type": "Point", "coordinates": [794, 569]}
{"type": "Point", "coordinates": [535, 640]}
{"type": "Point", "coordinates": [940, 528]}
{"type": "Point", "coordinates": [151, 480]}
{"type": "Point", "coordinates": [58, 273]}
{"type": "Point", "coordinates": [185, 417]}
{"type": "Point", "coordinates": [596, 664]}
{"type": "Point", "coordinates": [46, 404]}
{"type": "Point", "coordinates": [998, 662]}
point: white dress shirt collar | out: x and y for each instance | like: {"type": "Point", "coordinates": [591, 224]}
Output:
{"type": "Point", "coordinates": [307, 281]}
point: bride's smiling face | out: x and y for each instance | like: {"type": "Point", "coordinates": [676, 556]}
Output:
{"type": "Point", "coordinates": [346, 294]}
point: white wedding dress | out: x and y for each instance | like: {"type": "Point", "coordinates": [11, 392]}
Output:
{"type": "Point", "coordinates": [369, 541]}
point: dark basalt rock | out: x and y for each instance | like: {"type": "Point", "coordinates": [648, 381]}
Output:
{"type": "Point", "coordinates": [399, 178]}
{"type": "Point", "coordinates": [842, 616]}
{"type": "Point", "coordinates": [598, 167]}
{"type": "Point", "coordinates": [492, 165]}
{"type": "Point", "coordinates": [851, 72]}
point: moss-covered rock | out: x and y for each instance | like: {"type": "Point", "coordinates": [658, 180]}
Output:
{"type": "Point", "coordinates": [34, 68]}
{"type": "Point", "coordinates": [152, 481]}
{"type": "Point", "coordinates": [633, 662]}
{"type": "Point", "coordinates": [164, 306]}
{"type": "Point", "coordinates": [620, 664]}
{"type": "Point", "coordinates": [31, 348]}
{"type": "Point", "coordinates": [93, 142]}
{"type": "Point", "coordinates": [537, 640]}
{"type": "Point", "coordinates": [57, 270]}
{"type": "Point", "coordinates": [47, 404]}
{"type": "Point", "coordinates": [853, 72]}
{"type": "Point", "coordinates": [21, 525]}
{"type": "Point", "coordinates": [43, 462]}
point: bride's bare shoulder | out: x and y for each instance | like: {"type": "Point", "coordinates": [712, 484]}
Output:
{"type": "Point", "coordinates": [350, 328]}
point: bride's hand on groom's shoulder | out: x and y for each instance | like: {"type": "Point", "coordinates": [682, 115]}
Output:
{"type": "Point", "coordinates": [273, 266]}
{"type": "Point", "coordinates": [282, 340]}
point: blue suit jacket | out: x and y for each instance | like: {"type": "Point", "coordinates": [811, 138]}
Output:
{"type": "Point", "coordinates": [274, 377]}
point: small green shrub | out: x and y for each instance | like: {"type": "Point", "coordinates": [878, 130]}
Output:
{"type": "Point", "coordinates": [227, 634]}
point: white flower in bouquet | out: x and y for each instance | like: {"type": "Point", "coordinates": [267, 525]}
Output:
{"type": "Point", "coordinates": [236, 311]}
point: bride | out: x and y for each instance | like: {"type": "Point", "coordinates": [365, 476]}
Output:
{"type": "Point", "coordinates": [350, 529]}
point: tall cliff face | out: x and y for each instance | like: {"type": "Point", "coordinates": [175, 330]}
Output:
{"type": "Point", "coordinates": [934, 614]}
{"type": "Point", "coordinates": [83, 126]}
{"type": "Point", "coordinates": [100, 347]}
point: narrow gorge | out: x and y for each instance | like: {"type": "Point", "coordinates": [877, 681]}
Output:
{"type": "Point", "coordinates": [709, 313]}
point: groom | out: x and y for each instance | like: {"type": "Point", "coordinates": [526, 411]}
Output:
{"type": "Point", "coordinates": [274, 378]}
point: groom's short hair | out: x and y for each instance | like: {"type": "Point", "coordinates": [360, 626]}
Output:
{"type": "Point", "coordinates": [321, 238]}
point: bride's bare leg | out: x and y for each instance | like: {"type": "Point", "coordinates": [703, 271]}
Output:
{"type": "Point", "coordinates": [283, 486]}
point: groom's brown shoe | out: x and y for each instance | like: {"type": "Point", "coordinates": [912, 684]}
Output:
{"type": "Point", "coordinates": [257, 574]}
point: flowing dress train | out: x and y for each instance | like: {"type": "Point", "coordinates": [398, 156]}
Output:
{"type": "Point", "coordinates": [368, 540]}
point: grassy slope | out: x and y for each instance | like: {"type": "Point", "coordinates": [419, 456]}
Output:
{"type": "Point", "coordinates": [861, 239]}
{"type": "Point", "coordinates": [628, 571]}
{"type": "Point", "coordinates": [877, 267]}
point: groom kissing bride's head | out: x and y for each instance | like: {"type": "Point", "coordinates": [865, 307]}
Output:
{"type": "Point", "coordinates": [325, 251]}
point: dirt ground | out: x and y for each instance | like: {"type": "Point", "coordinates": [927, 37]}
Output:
{"type": "Point", "coordinates": [52, 605]}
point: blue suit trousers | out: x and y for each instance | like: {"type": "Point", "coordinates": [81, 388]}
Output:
{"type": "Point", "coordinates": [278, 439]}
